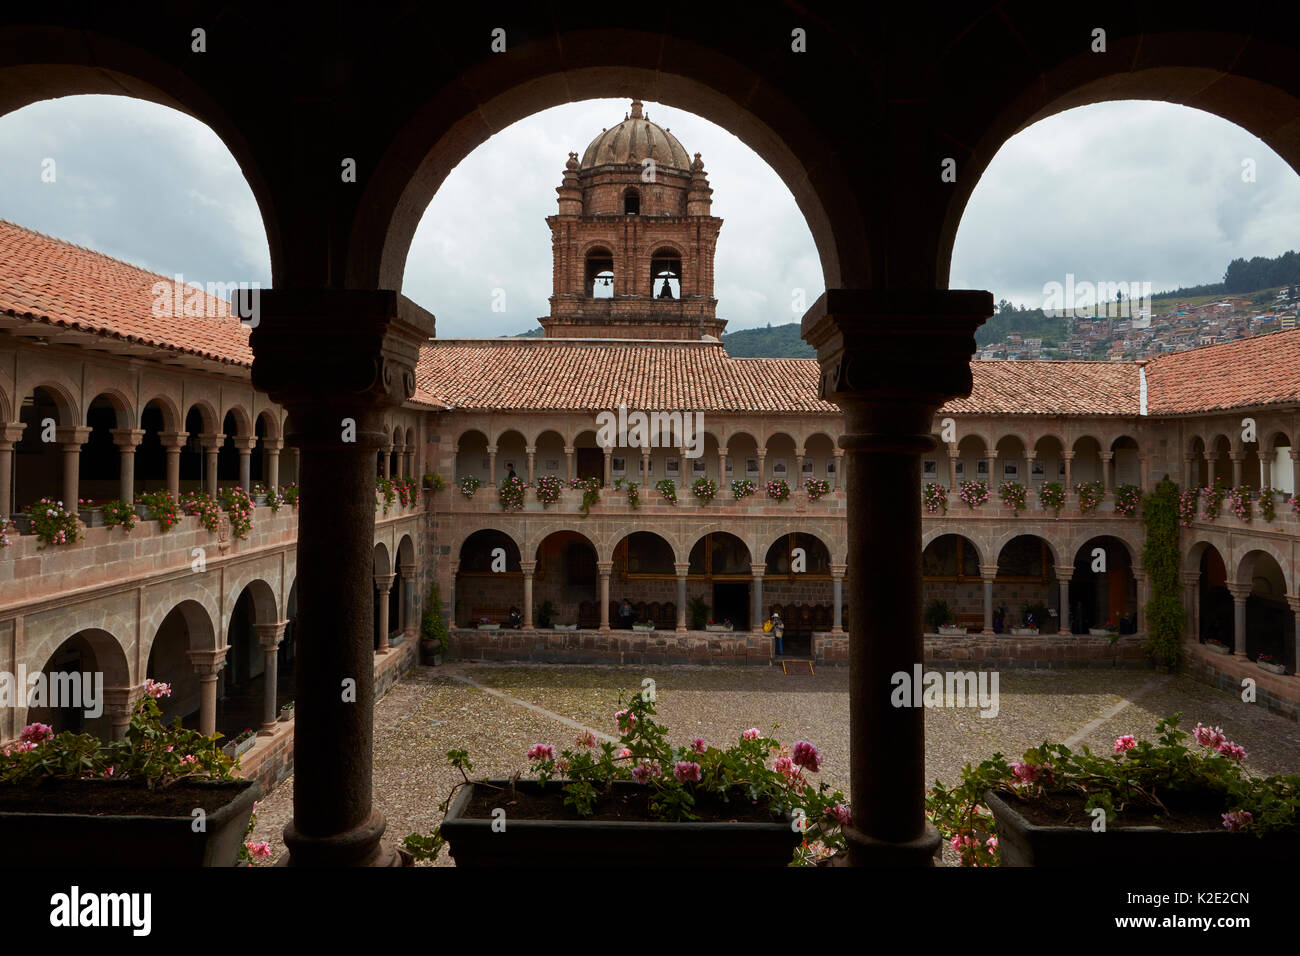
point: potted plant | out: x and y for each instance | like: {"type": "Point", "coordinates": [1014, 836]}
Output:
{"type": "Point", "coordinates": [433, 630]}
{"type": "Point", "coordinates": [433, 481]}
{"type": "Point", "coordinates": [52, 523]}
{"type": "Point", "coordinates": [91, 515]}
{"type": "Point", "coordinates": [643, 625]}
{"type": "Point", "coordinates": [1014, 495]}
{"type": "Point", "coordinates": [935, 498]}
{"type": "Point", "coordinates": [259, 494]}
{"type": "Point", "coordinates": [704, 489]}
{"type": "Point", "coordinates": [778, 489]}
{"type": "Point", "coordinates": [485, 625]}
{"type": "Point", "coordinates": [120, 513]}
{"type": "Point", "coordinates": [642, 802]}
{"type": "Point", "coordinates": [1217, 647]}
{"type": "Point", "coordinates": [816, 488]}
{"type": "Point", "coordinates": [1143, 802]}
{"type": "Point", "coordinates": [940, 619]}
{"type": "Point", "coordinates": [71, 800]}
{"type": "Point", "coordinates": [742, 488]}
{"type": "Point", "coordinates": [286, 712]}
{"type": "Point", "coordinates": [723, 625]}
{"type": "Point", "coordinates": [1052, 497]}
{"type": "Point", "coordinates": [1267, 662]}
{"type": "Point", "coordinates": [667, 489]}
{"type": "Point", "coordinates": [158, 506]}
{"type": "Point", "coordinates": [1031, 618]}
{"type": "Point", "coordinates": [1090, 494]}
{"type": "Point", "coordinates": [973, 494]}
{"type": "Point", "coordinates": [698, 609]}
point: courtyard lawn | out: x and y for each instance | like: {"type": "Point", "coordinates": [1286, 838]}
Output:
{"type": "Point", "coordinates": [498, 711]}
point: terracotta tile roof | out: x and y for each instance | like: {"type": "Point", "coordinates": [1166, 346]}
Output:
{"type": "Point", "coordinates": [1263, 370]}
{"type": "Point", "coordinates": [545, 374]}
{"type": "Point", "coordinates": [67, 286]}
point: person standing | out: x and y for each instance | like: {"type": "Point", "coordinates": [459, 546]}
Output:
{"type": "Point", "coordinates": [626, 615]}
{"type": "Point", "coordinates": [778, 632]}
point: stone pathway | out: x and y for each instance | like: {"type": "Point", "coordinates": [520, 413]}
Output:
{"type": "Point", "coordinates": [498, 711]}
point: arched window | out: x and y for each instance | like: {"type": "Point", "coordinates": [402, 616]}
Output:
{"type": "Point", "coordinates": [666, 275]}
{"type": "Point", "coordinates": [631, 202]}
{"type": "Point", "coordinates": [600, 274]}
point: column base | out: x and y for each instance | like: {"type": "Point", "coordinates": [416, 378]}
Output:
{"type": "Point", "coordinates": [604, 628]}
{"type": "Point", "coordinates": [359, 846]}
{"type": "Point", "coordinates": [988, 632]}
{"type": "Point", "coordinates": [681, 629]}
{"type": "Point", "coordinates": [868, 851]}
{"type": "Point", "coordinates": [267, 729]}
{"type": "Point", "coordinates": [1064, 634]}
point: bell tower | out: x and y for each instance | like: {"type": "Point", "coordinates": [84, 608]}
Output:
{"type": "Point", "coordinates": [634, 239]}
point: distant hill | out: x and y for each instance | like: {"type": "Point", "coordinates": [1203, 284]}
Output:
{"type": "Point", "coordinates": [775, 341]}
{"type": "Point", "coordinates": [1030, 323]}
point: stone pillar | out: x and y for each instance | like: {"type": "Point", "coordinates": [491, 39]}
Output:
{"type": "Point", "coordinates": [211, 445]}
{"type": "Point", "coordinates": [173, 442]}
{"type": "Point", "coordinates": [991, 477]}
{"type": "Point", "coordinates": [271, 452]}
{"type": "Point", "coordinates": [10, 433]}
{"type": "Point", "coordinates": [408, 464]}
{"type": "Point", "coordinates": [1106, 457]}
{"type": "Point", "coordinates": [568, 463]}
{"type": "Point", "coordinates": [605, 568]}
{"type": "Point", "coordinates": [762, 467]}
{"type": "Point", "coordinates": [531, 452]}
{"type": "Point", "coordinates": [954, 456]}
{"type": "Point", "coordinates": [645, 471]}
{"type": "Point", "coordinates": [1236, 457]}
{"type": "Point", "coordinates": [1143, 598]}
{"type": "Point", "coordinates": [1063, 575]}
{"type": "Point", "coordinates": [71, 438]}
{"type": "Point", "coordinates": [1189, 463]}
{"type": "Point", "coordinates": [492, 466]}
{"type": "Point", "coordinates": [1294, 602]}
{"type": "Point", "coordinates": [126, 440]}
{"type": "Point", "coordinates": [1211, 461]}
{"type": "Point", "coordinates": [756, 598]}
{"type": "Point", "coordinates": [208, 665]}
{"type": "Point", "coordinates": [1143, 482]}
{"type": "Point", "coordinates": [309, 341]}
{"type": "Point", "coordinates": [1029, 470]}
{"type": "Point", "coordinates": [1295, 469]}
{"type": "Point", "coordinates": [797, 484]}
{"type": "Point", "coordinates": [839, 468]}
{"type": "Point", "coordinates": [837, 598]}
{"type": "Point", "coordinates": [1191, 581]}
{"type": "Point", "coordinates": [383, 584]}
{"type": "Point", "coordinates": [450, 606]}
{"type": "Point", "coordinates": [269, 636]}
{"type": "Point", "coordinates": [118, 704]}
{"type": "Point", "coordinates": [890, 358]}
{"type": "Point", "coordinates": [682, 570]}
{"type": "Point", "coordinates": [407, 603]}
{"type": "Point", "coordinates": [528, 567]}
{"type": "Point", "coordinates": [722, 470]}
{"type": "Point", "coordinates": [987, 573]}
{"type": "Point", "coordinates": [1265, 469]}
{"type": "Point", "coordinates": [1239, 594]}
{"type": "Point", "coordinates": [609, 467]}
{"type": "Point", "coordinates": [245, 444]}
{"type": "Point", "coordinates": [1069, 459]}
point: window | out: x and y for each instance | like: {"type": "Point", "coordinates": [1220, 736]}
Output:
{"type": "Point", "coordinates": [1010, 470]}
{"type": "Point", "coordinates": [778, 468]}
{"type": "Point", "coordinates": [931, 468]}
{"type": "Point", "coordinates": [1038, 471]}
{"type": "Point", "coordinates": [697, 466]}
{"type": "Point", "coordinates": [808, 467]}
{"type": "Point", "coordinates": [631, 203]}
{"type": "Point", "coordinates": [618, 465]}
{"type": "Point", "coordinates": [751, 467]}
{"type": "Point", "coordinates": [674, 467]}
{"type": "Point", "coordinates": [982, 468]}
{"type": "Point", "coordinates": [599, 282]}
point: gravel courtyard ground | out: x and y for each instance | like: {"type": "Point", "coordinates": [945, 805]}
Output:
{"type": "Point", "coordinates": [498, 711]}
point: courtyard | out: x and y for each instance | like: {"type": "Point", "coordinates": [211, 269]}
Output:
{"type": "Point", "coordinates": [498, 711]}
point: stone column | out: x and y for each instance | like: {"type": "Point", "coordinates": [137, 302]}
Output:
{"type": "Point", "coordinates": [605, 568]}
{"type": "Point", "coordinates": [1191, 581]}
{"type": "Point", "coordinates": [118, 704]}
{"type": "Point", "coordinates": [1063, 575]}
{"type": "Point", "coordinates": [492, 466]}
{"type": "Point", "coordinates": [245, 444]}
{"type": "Point", "coordinates": [408, 465]}
{"type": "Point", "coordinates": [992, 465]}
{"type": "Point", "coordinates": [1211, 461]}
{"type": "Point", "coordinates": [383, 584]}
{"type": "Point", "coordinates": [531, 452]}
{"type": "Point", "coordinates": [126, 440]}
{"type": "Point", "coordinates": [1239, 594]}
{"type": "Point", "coordinates": [890, 358]}
{"type": "Point", "coordinates": [1142, 474]}
{"type": "Point", "coordinates": [682, 570]}
{"type": "Point", "coordinates": [798, 470]}
{"type": "Point", "coordinates": [1294, 602]}
{"type": "Point", "coordinates": [10, 433]}
{"type": "Point", "coordinates": [1029, 470]}
{"type": "Point", "coordinates": [1189, 463]}
{"type": "Point", "coordinates": [722, 470]}
{"type": "Point", "coordinates": [1069, 459]}
{"type": "Point", "coordinates": [568, 463]}
{"type": "Point", "coordinates": [954, 456]}
{"type": "Point", "coordinates": [71, 438]}
{"type": "Point", "coordinates": [756, 599]}
{"type": "Point", "coordinates": [1295, 469]}
{"type": "Point", "coordinates": [309, 342]}
{"type": "Point", "coordinates": [528, 567]}
{"type": "Point", "coordinates": [271, 452]}
{"type": "Point", "coordinates": [645, 472]}
{"type": "Point", "coordinates": [407, 603]}
{"type": "Point", "coordinates": [609, 467]}
{"type": "Point", "coordinates": [1236, 457]}
{"type": "Point", "coordinates": [269, 637]}
{"type": "Point", "coordinates": [450, 606]}
{"type": "Point", "coordinates": [1106, 457]}
{"type": "Point", "coordinates": [1265, 469]}
{"type": "Point", "coordinates": [208, 665]}
{"type": "Point", "coordinates": [987, 573]}
{"type": "Point", "coordinates": [211, 445]}
{"type": "Point", "coordinates": [762, 467]}
{"type": "Point", "coordinates": [173, 442]}
{"type": "Point", "coordinates": [840, 478]}
{"type": "Point", "coordinates": [1139, 614]}
{"type": "Point", "coordinates": [837, 599]}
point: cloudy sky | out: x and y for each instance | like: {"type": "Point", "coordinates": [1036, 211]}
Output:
{"type": "Point", "coordinates": [1139, 192]}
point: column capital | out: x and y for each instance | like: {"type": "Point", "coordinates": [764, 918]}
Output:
{"type": "Point", "coordinates": [491, 449]}
{"type": "Point", "coordinates": [839, 570]}
{"type": "Point", "coordinates": [208, 663]}
{"type": "Point", "coordinates": [272, 445]}
{"type": "Point", "coordinates": [1106, 455]}
{"type": "Point", "coordinates": [1067, 455]}
{"type": "Point", "coordinates": [121, 700]}
{"type": "Point", "coordinates": [757, 570]}
{"type": "Point", "coordinates": [244, 442]}
{"type": "Point", "coordinates": [11, 432]}
{"type": "Point", "coordinates": [604, 567]}
{"type": "Point", "coordinates": [211, 443]}
{"type": "Point", "coordinates": [569, 450]}
{"type": "Point", "coordinates": [988, 571]}
{"type": "Point", "coordinates": [528, 567]}
{"type": "Point", "coordinates": [682, 568]}
{"type": "Point", "coordinates": [72, 437]}
{"type": "Point", "coordinates": [1294, 601]}
{"type": "Point", "coordinates": [407, 574]}
{"type": "Point", "coordinates": [384, 581]}
{"type": "Point", "coordinates": [528, 449]}
{"type": "Point", "coordinates": [1190, 577]}
{"type": "Point", "coordinates": [270, 635]}
{"type": "Point", "coordinates": [1237, 455]}
{"type": "Point", "coordinates": [889, 344]}
{"type": "Point", "coordinates": [126, 438]}
{"type": "Point", "coordinates": [1064, 572]}
{"type": "Point", "coordinates": [173, 439]}
{"type": "Point", "coordinates": [1239, 592]}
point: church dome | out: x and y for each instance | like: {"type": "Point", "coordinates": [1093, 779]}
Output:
{"type": "Point", "coordinates": [635, 139]}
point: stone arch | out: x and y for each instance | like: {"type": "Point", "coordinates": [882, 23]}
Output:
{"type": "Point", "coordinates": [981, 551]}
{"type": "Point", "coordinates": [443, 131]}
{"type": "Point", "coordinates": [266, 604]}
{"type": "Point", "coordinates": [406, 551]}
{"type": "Point", "coordinates": [207, 415]}
{"type": "Point", "coordinates": [67, 657]}
{"type": "Point", "coordinates": [167, 408]}
{"type": "Point", "coordinates": [45, 633]}
{"type": "Point", "coordinates": [1000, 542]}
{"type": "Point", "coordinates": [62, 392]}
{"type": "Point", "coordinates": [122, 403]}
{"type": "Point", "coordinates": [382, 561]}
{"type": "Point", "coordinates": [270, 423]}
{"type": "Point", "coordinates": [1246, 561]}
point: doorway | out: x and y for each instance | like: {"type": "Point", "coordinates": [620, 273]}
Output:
{"type": "Point", "coordinates": [731, 603]}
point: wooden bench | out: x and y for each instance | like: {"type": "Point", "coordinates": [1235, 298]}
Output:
{"type": "Point", "coordinates": [971, 620]}
{"type": "Point", "coordinates": [495, 615]}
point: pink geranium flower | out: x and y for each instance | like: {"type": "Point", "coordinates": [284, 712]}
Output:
{"type": "Point", "coordinates": [541, 752]}
{"type": "Point", "coordinates": [259, 849]}
{"type": "Point", "coordinates": [641, 773]}
{"type": "Point", "coordinates": [625, 752]}
{"type": "Point", "coordinates": [1232, 751]}
{"type": "Point", "coordinates": [751, 734]}
{"type": "Point", "coordinates": [687, 772]}
{"type": "Point", "coordinates": [585, 739]}
{"type": "Point", "coordinates": [698, 745]}
{"type": "Point", "coordinates": [1237, 820]}
{"type": "Point", "coordinates": [806, 755]}
{"type": "Point", "coordinates": [1124, 743]}
{"type": "Point", "coordinates": [1208, 736]}
{"type": "Point", "coordinates": [839, 813]}
{"type": "Point", "coordinates": [35, 733]}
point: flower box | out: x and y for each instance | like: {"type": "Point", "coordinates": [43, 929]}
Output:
{"type": "Point", "coordinates": [111, 838]}
{"type": "Point", "coordinates": [489, 627]}
{"type": "Point", "coordinates": [1271, 668]}
{"type": "Point", "coordinates": [566, 627]}
{"type": "Point", "coordinates": [243, 746]}
{"type": "Point", "coordinates": [719, 627]}
{"type": "Point", "coordinates": [952, 630]}
{"type": "Point", "coordinates": [91, 517]}
{"type": "Point", "coordinates": [1098, 631]}
{"type": "Point", "coordinates": [607, 843]}
{"type": "Point", "coordinates": [143, 512]}
{"type": "Point", "coordinates": [23, 524]}
{"type": "Point", "coordinates": [286, 713]}
{"type": "Point", "coordinates": [259, 500]}
{"type": "Point", "coordinates": [643, 627]}
{"type": "Point", "coordinates": [1026, 844]}
{"type": "Point", "coordinates": [1024, 631]}
{"type": "Point", "coordinates": [1217, 648]}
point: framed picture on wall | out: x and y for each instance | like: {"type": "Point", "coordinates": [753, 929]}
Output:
{"type": "Point", "coordinates": [674, 466]}
{"type": "Point", "coordinates": [1038, 471]}
{"type": "Point", "coordinates": [728, 467]}
{"type": "Point", "coordinates": [618, 465]}
{"type": "Point", "coordinates": [982, 468]}
{"type": "Point", "coordinates": [778, 468]}
{"type": "Point", "coordinates": [931, 468]}
{"type": "Point", "coordinates": [697, 466]}
{"type": "Point", "coordinates": [552, 464]}
{"type": "Point", "coordinates": [487, 463]}
{"type": "Point", "coordinates": [751, 467]}
{"type": "Point", "coordinates": [808, 467]}
{"type": "Point", "coordinates": [1060, 469]}
{"type": "Point", "coordinates": [961, 469]}
{"type": "Point", "coordinates": [1010, 469]}
{"type": "Point", "coordinates": [830, 468]}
